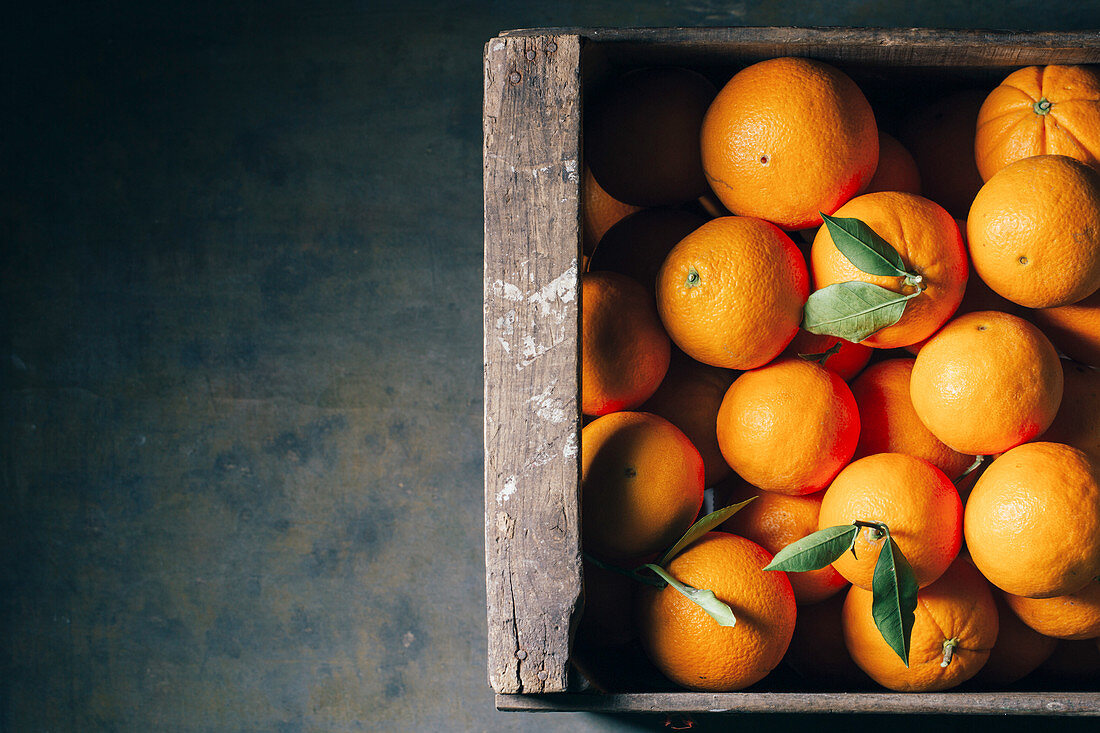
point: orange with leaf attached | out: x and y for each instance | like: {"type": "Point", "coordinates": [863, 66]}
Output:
{"type": "Point", "coordinates": [954, 628]}
{"type": "Point", "coordinates": [931, 250]}
{"type": "Point", "coordinates": [690, 647]}
{"type": "Point", "coordinates": [914, 499]}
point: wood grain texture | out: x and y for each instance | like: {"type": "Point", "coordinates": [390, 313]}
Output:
{"type": "Point", "coordinates": [924, 47]}
{"type": "Point", "coordinates": [532, 417]}
{"type": "Point", "coordinates": [975, 703]}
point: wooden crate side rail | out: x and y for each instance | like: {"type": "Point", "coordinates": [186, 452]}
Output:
{"type": "Point", "coordinates": [532, 417]}
{"type": "Point", "coordinates": [923, 47]}
{"type": "Point", "coordinates": [948, 703]}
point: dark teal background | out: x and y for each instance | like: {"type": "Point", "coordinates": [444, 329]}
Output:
{"type": "Point", "coordinates": [240, 358]}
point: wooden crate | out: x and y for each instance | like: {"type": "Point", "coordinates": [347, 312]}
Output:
{"type": "Point", "coordinates": [533, 96]}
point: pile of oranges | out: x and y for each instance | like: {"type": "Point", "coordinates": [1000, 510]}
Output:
{"type": "Point", "coordinates": [852, 341]}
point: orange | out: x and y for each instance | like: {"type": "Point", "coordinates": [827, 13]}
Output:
{"type": "Point", "coordinates": [1032, 521]}
{"type": "Point", "coordinates": [847, 362]}
{"type": "Point", "coordinates": [1078, 420]}
{"type": "Point", "coordinates": [1034, 232]}
{"type": "Point", "coordinates": [624, 350]}
{"type": "Point", "coordinates": [1072, 616]}
{"type": "Point", "coordinates": [641, 485]}
{"type": "Point", "coordinates": [689, 647]}
{"type": "Point", "coordinates": [913, 498]}
{"type": "Point", "coordinates": [641, 136]}
{"type": "Point", "coordinates": [1040, 110]}
{"type": "Point", "coordinates": [774, 521]}
{"type": "Point", "coordinates": [986, 382]}
{"type": "Point", "coordinates": [1019, 649]}
{"type": "Point", "coordinates": [941, 138]}
{"type": "Point", "coordinates": [957, 611]}
{"type": "Point", "coordinates": [788, 427]}
{"type": "Point", "coordinates": [1075, 329]}
{"type": "Point", "coordinates": [889, 424]}
{"type": "Point", "coordinates": [600, 211]}
{"type": "Point", "coordinates": [788, 138]}
{"type": "Point", "coordinates": [637, 245]}
{"type": "Point", "coordinates": [817, 651]}
{"type": "Point", "coordinates": [608, 607]}
{"type": "Point", "coordinates": [689, 398]}
{"type": "Point", "coordinates": [731, 292]}
{"type": "Point", "coordinates": [930, 245]}
{"type": "Point", "coordinates": [896, 171]}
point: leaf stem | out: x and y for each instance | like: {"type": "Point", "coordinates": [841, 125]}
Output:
{"type": "Point", "coordinates": [632, 574]}
{"type": "Point", "coordinates": [879, 529]}
{"type": "Point", "coordinates": [978, 460]}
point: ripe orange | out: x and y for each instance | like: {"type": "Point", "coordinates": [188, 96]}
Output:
{"type": "Point", "coordinates": [941, 139]}
{"type": "Point", "coordinates": [788, 427]}
{"type": "Point", "coordinates": [1040, 110]}
{"type": "Point", "coordinates": [600, 211]}
{"type": "Point", "coordinates": [788, 138]}
{"type": "Point", "coordinates": [624, 350]}
{"type": "Point", "coordinates": [986, 382]}
{"type": "Point", "coordinates": [1075, 329]}
{"type": "Point", "coordinates": [641, 485]}
{"type": "Point", "coordinates": [1034, 231]}
{"type": "Point", "coordinates": [689, 398]}
{"type": "Point", "coordinates": [1072, 616]}
{"type": "Point", "coordinates": [774, 521]}
{"type": "Point", "coordinates": [817, 651]}
{"type": "Point", "coordinates": [1032, 521]}
{"type": "Point", "coordinates": [847, 362]}
{"type": "Point", "coordinates": [689, 647]}
{"type": "Point", "coordinates": [889, 424]}
{"type": "Point", "coordinates": [896, 171]}
{"type": "Point", "coordinates": [641, 136]}
{"type": "Point", "coordinates": [638, 244]}
{"type": "Point", "coordinates": [929, 243]}
{"type": "Point", "coordinates": [957, 610]}
{"type": "Point", "coordinates": [910, 496]}
{"type": "Point", "coordinates": [1078, 420]}
{"type": "Point", "coordinates": [731, 292]}
{"type": "Point", "coordinates": [1019, 649]}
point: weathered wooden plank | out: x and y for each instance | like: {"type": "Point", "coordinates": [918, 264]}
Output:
{"type": "Point", "coordinates": [532, 418]}
{"type": "Point", "coordinates": [878, 46]}
{"type": "Point", "coordinates": [974, 703]}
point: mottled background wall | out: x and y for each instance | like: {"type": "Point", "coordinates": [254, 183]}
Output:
{"type": "Point", "coordinates": [240, 356]}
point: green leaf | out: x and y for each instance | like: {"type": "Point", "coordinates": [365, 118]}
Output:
{"type": "Point", "coordinates": [822, 356]}
{"type": "Point", "coordinates": [853, 310]}
{"type": "Point", "coordinates": [700, 528]}
{"type": "Point", "coordinates": [894, 589]}
{"type": "Point", "coordinates": [701, 597]}
{"type": "Point", "coordinates": [863, 248]}
{"type": "Point", "coordinates": [814, 551]}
